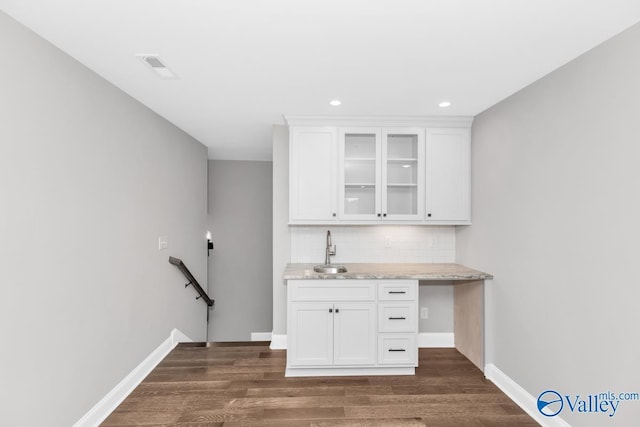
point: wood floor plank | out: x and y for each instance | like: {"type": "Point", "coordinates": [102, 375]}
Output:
{"type": "Point", "coordinates": [299, 382]}
{"type": "Point", "coordinates": [206, 376]}
{"type": "Point", "coordinates": [389, 422]}
{"type": "Point", "coordinates": [303, 413]}
{"type": "Point", "coordinates": [451, 398]}
{"type": "Point", "coordinates": [521, 420]}
{"type": "Point", "coordinates": [243, 384]}
{"type": "Point", "coordinates": [279, 354]}
{"type": "Point", "coordinates": [449, 421]}
{"type": "Point", "coordinates": [269, 423]}
{"type": "Point", "coordinates": [221, 415]}
{"type": "Point", "coordinates": [368, 390]}
{"type": "Point", "coordinates": [297, 391]}
{"type": "Point", "coordinates": [123, 417]}
{"type": "Point", "coordinates": [299, 402]}
{"type": "Point", "coordinates": [422, 410]}
{"type": "Point", "coordinates": [181, 386]}
{"type": "Point", "coordinates": [195, 362]}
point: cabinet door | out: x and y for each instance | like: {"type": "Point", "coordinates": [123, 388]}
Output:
{"type": "Point", "coordinates": [354, 334]}
{"type": "Point", "coordinates": [403, 166]}
{"type": "Point", "coordinates": [312, 180]}
{"type": "Point", "coordinates": [448, 176]}
{"type": "Point", "coordinates": [310, 335]}
{"type": "Point", "coordinates": [359, 174]}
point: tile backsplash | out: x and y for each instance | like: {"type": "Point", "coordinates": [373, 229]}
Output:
{"type": "Point", "coordinates": [380, 243]}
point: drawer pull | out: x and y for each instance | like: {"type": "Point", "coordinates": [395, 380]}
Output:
{"type": "Point", "coordinates": [397, 318]}
{"type": "Point", "coordinates": [397, 349]}
{"type": "Point", "coordinates": [397, 292]}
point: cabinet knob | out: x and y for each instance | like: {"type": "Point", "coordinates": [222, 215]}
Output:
{"type": "Point", "coordinates": [331, 310]}
{"type": "Point", "coordinates": [384, 215]}
{"type": "Point", "coordinates": [379, 215]}
{"type": "Point", "coordinates": [429, 215]}
{"type": "Point", "coordinates": [337, 310]}
{"type": "Point", "coordinates": [333, 214]}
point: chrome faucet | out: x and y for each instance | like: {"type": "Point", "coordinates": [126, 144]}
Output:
{"type": "Point", "coordinates": [329, 252]}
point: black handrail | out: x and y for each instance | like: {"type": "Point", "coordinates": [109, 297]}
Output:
{"type": "Point", "coordinates": [192, 280]}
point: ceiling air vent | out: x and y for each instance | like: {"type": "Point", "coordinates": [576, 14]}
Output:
{"type": "Point", "coordinates": [154, 61]}
{"type": "Point", "coordinates": [156, 64]}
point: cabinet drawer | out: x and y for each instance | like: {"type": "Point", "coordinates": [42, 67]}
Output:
{"type": "Point", "coordinates": [332, 290]}
{"type": "Point", "coordinates": [397, 317]}
{"type": "Point", "coordinates": [397, 349]}
{"type": "Point", "coordinates": [398, 290]}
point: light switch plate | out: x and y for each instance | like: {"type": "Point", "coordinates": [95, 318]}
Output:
{"type": "Point", "coordinates": [163, 242]}
{"type": "Point", "coordinates": [424, 312]}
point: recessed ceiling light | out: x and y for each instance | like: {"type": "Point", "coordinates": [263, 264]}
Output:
{"type": "Point", "coordinates": [335, 102]}
{"type": "Point", "coordinates": [406, 166]}
{"type": "Point", "coordinates": [444, 104]}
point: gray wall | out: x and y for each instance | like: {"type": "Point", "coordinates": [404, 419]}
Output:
{"type": "Point", "coordinates": [240, 266]}
{"type": "Point", "coordinates": [89, 178]}
{"type": "Point", "coordinates": [437, 296]}
{"type": "Point", "coordinates": [281, 238]}
{"type": "Point", "coordinates": [556, 219]}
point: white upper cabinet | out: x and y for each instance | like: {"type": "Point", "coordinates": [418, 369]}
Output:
{"type": "Point", "coordinates": [359, 174]}
{"type": "Point", "coordinates": [381, 174]}
{"type": "Point", "coordinates": [312, 180]}
{"type": "Point", "coordinates": [448, 176]}
{"type": "Point", "coordinates": [403, 166]}
{"type": "Point", "coordinates": [379, 170]}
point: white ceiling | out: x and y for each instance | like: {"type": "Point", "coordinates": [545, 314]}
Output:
{"type": "Point", "coordinates": [242, 64]}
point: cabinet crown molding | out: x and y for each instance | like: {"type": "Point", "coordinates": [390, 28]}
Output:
{"type": "Point", "coordinates": [380, 121]}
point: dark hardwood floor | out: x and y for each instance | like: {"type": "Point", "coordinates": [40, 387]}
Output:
{"type": "Point", "coordinates": [243, 384]}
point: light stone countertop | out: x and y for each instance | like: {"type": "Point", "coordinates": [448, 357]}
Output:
{"type": "Point", "coordinates": [389, 271]}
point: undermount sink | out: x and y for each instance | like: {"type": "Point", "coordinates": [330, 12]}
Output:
{"type": "Point", "coordinates": [330, 269]}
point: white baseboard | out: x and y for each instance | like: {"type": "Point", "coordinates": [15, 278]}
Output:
{"type": "Point", "coordinates": [260, 336]}
{"type": "Point", "coordinates": [521, 397]}
{"type": "Point", "coordinates": [278, 342]}
{"type": "Point", "coordinates": [435, 339]}
{"type": "Point", "coordinates": [177, 337]}
{"type": "Point", "coordinates": [110, 402]}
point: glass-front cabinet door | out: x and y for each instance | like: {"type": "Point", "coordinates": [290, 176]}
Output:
{"type": "Point", "coordinates": [381, 174]}
{"type": "Point", "coordinates": [403, 174]}
{"type": "Point", "coordinates": [360, 174]}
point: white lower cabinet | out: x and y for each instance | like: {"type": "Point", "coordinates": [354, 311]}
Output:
{"type": "Point", "coordinates": [324, 334]}
{"type": "Point", "coordinates": [351, 327]}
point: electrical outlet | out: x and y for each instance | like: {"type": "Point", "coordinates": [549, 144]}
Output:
{"type": "Point", "coordinates": [424, 312]}
{"type": "Point", "coordinates": [387, 241]}
{"type": "Point", "coordinates": [163, 242]}
{"type": "Point", "coordinates": [432, 242]}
